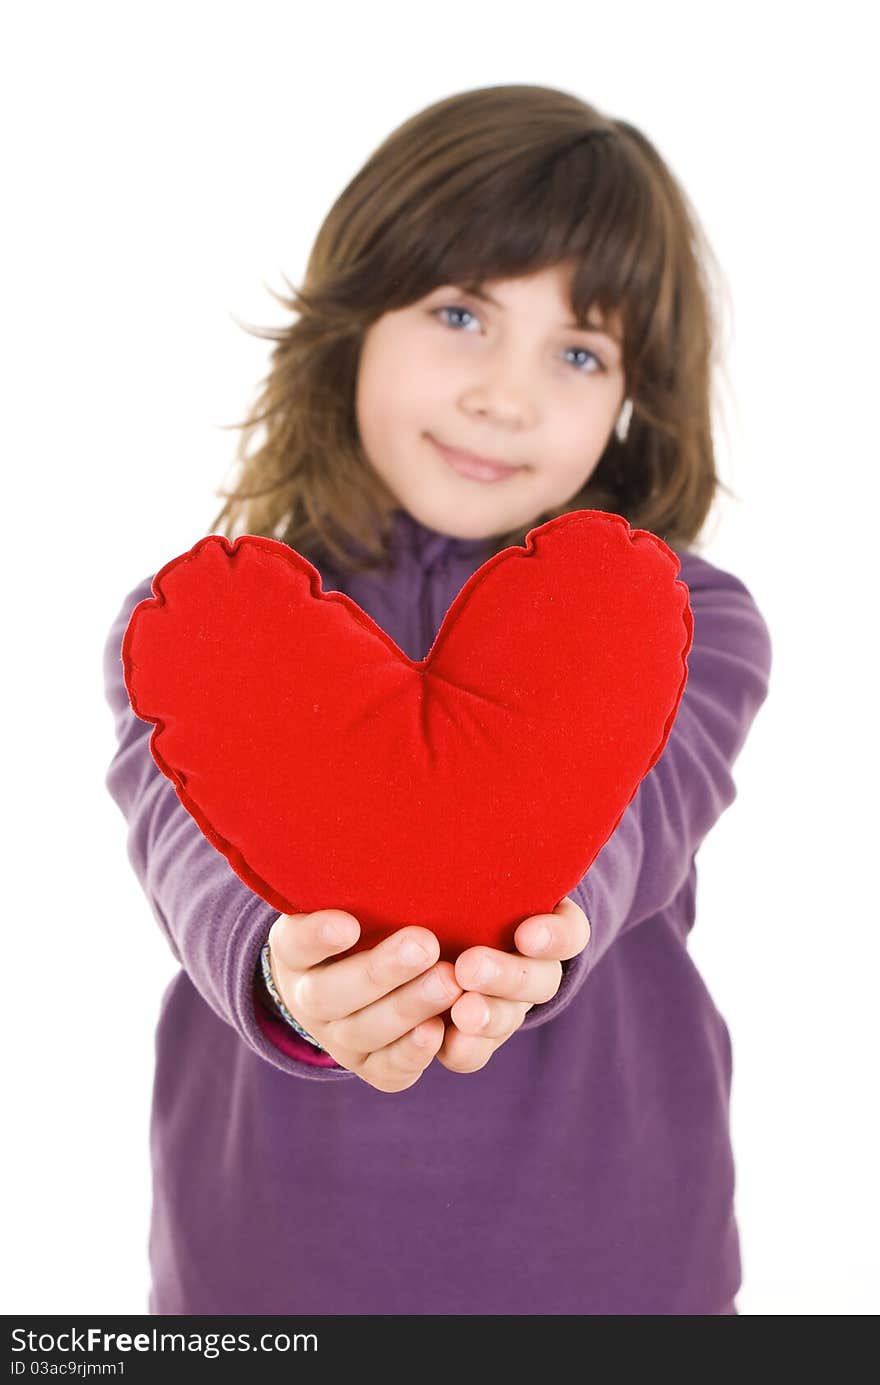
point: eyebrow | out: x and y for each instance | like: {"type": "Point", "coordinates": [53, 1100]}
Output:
{"type": "Point", "coordinates": [479, 292]}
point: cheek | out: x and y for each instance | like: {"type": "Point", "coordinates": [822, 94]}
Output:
{"type": "Point", "coordinates": [387, 416]}
{"type": "Point", "coordinates": [577, 462]}
{"type": "Point", "coordinates": [391, 382]}
{"type": "Point", "coordinates": [372, 398]}
{"type": "Point", "coordinates": [582, 441]}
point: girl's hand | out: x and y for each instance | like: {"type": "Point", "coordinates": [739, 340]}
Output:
{"type": "Point", "coordinates": [377, 1013]}
{"type": "Point", "coordinates": [494, 1005]}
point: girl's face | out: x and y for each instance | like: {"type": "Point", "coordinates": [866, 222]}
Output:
{"type": "Point", "coordinates": [507, 381]}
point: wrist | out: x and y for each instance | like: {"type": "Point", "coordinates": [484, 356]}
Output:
{"type": "Point", "coordinates": [277, 1004]}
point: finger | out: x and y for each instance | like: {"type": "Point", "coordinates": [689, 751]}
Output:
{"type": "Point", "coordinates": [400, 1064]}
{"type": "Point", "coordinates": [463, 1052]}
{"type": "Point", "coordinates": [341, 987]}
{"type": "Point", "coordinates": [300, 941]}
{"type": "Point", "coordinates": [508, 975]}
{"type": "Point", "coordinates": [560, 935]}
{"type": "Point", "coordinates": [487, 1018]}
{"type": "Point", "coordinates": [395, 1014]}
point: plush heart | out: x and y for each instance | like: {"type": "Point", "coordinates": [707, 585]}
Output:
{"type": "Point", "coordinates": [463, 792]}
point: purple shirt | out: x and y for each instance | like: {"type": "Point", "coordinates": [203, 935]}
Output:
{"type": "Point", "coordinates": [586, 1169]}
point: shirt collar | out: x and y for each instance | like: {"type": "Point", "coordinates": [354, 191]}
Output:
{"type": "Point", "coordinates": [430, 544]}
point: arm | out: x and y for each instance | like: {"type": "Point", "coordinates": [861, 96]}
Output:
{"type": "Point", "coordinates": [647, 858]}
{"type": "Point", "coordinates": [214, 924]}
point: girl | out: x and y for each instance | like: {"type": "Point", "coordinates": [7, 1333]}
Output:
{"type": "Point", "coordinates": [505, 317]}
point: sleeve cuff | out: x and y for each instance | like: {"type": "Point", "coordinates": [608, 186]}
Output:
{"type": "Point", "coordinates": [272, 1040]}
{"type": "Point", "coordinates": [281, 1036]}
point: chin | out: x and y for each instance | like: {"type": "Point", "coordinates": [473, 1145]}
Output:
{"type": "Point", "coordinates": [453, 526]}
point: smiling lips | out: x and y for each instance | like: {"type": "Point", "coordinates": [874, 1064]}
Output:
{"type": "Point", "coordinates": [478, 468]}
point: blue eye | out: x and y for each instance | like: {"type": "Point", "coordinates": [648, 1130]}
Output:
{"type": "Point", "coordinates": [453, 308]}
{"type": "Point", "coordinates": [585, 352]}
{"type": "Point", "coordinates": [459, 308]}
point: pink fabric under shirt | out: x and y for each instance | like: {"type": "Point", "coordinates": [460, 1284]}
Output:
{"type": "Point", "coordinates": [287, 1039]}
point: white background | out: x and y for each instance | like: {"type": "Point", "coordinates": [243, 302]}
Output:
{"type": "Point", "coordinates": [163, 165]}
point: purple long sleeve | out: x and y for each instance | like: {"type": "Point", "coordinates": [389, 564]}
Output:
{"type": "Point", "coordinates": [586, 1169]}
{"type": "Point", "coordinates": [646, 861]}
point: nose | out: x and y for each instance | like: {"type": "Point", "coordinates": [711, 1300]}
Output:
{"type": "Point", "coordinates": [503, 390]}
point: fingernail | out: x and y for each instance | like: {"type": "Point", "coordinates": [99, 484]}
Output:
{"type": "Point", "coordinates": [412, 952]}
{"type": "Point", "coordinates": [486, 970]}
{"type": "Point", "coordinates": [538, 939]}
{"type": "Point", "coordinates": [435, 988]}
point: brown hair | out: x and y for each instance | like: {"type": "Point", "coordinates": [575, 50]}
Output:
{"type": "Point", "coordinates": [491, 183]}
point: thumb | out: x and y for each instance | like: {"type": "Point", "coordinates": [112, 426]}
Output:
{"type": "Point", "coordinates": [300, 941]}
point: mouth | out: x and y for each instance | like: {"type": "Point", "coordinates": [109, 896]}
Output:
{"type": "Point", "coordinates": [477, 468]}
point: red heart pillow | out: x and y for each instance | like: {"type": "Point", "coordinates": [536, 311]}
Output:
{"type": "Point", "coordinates": [463, 792]}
